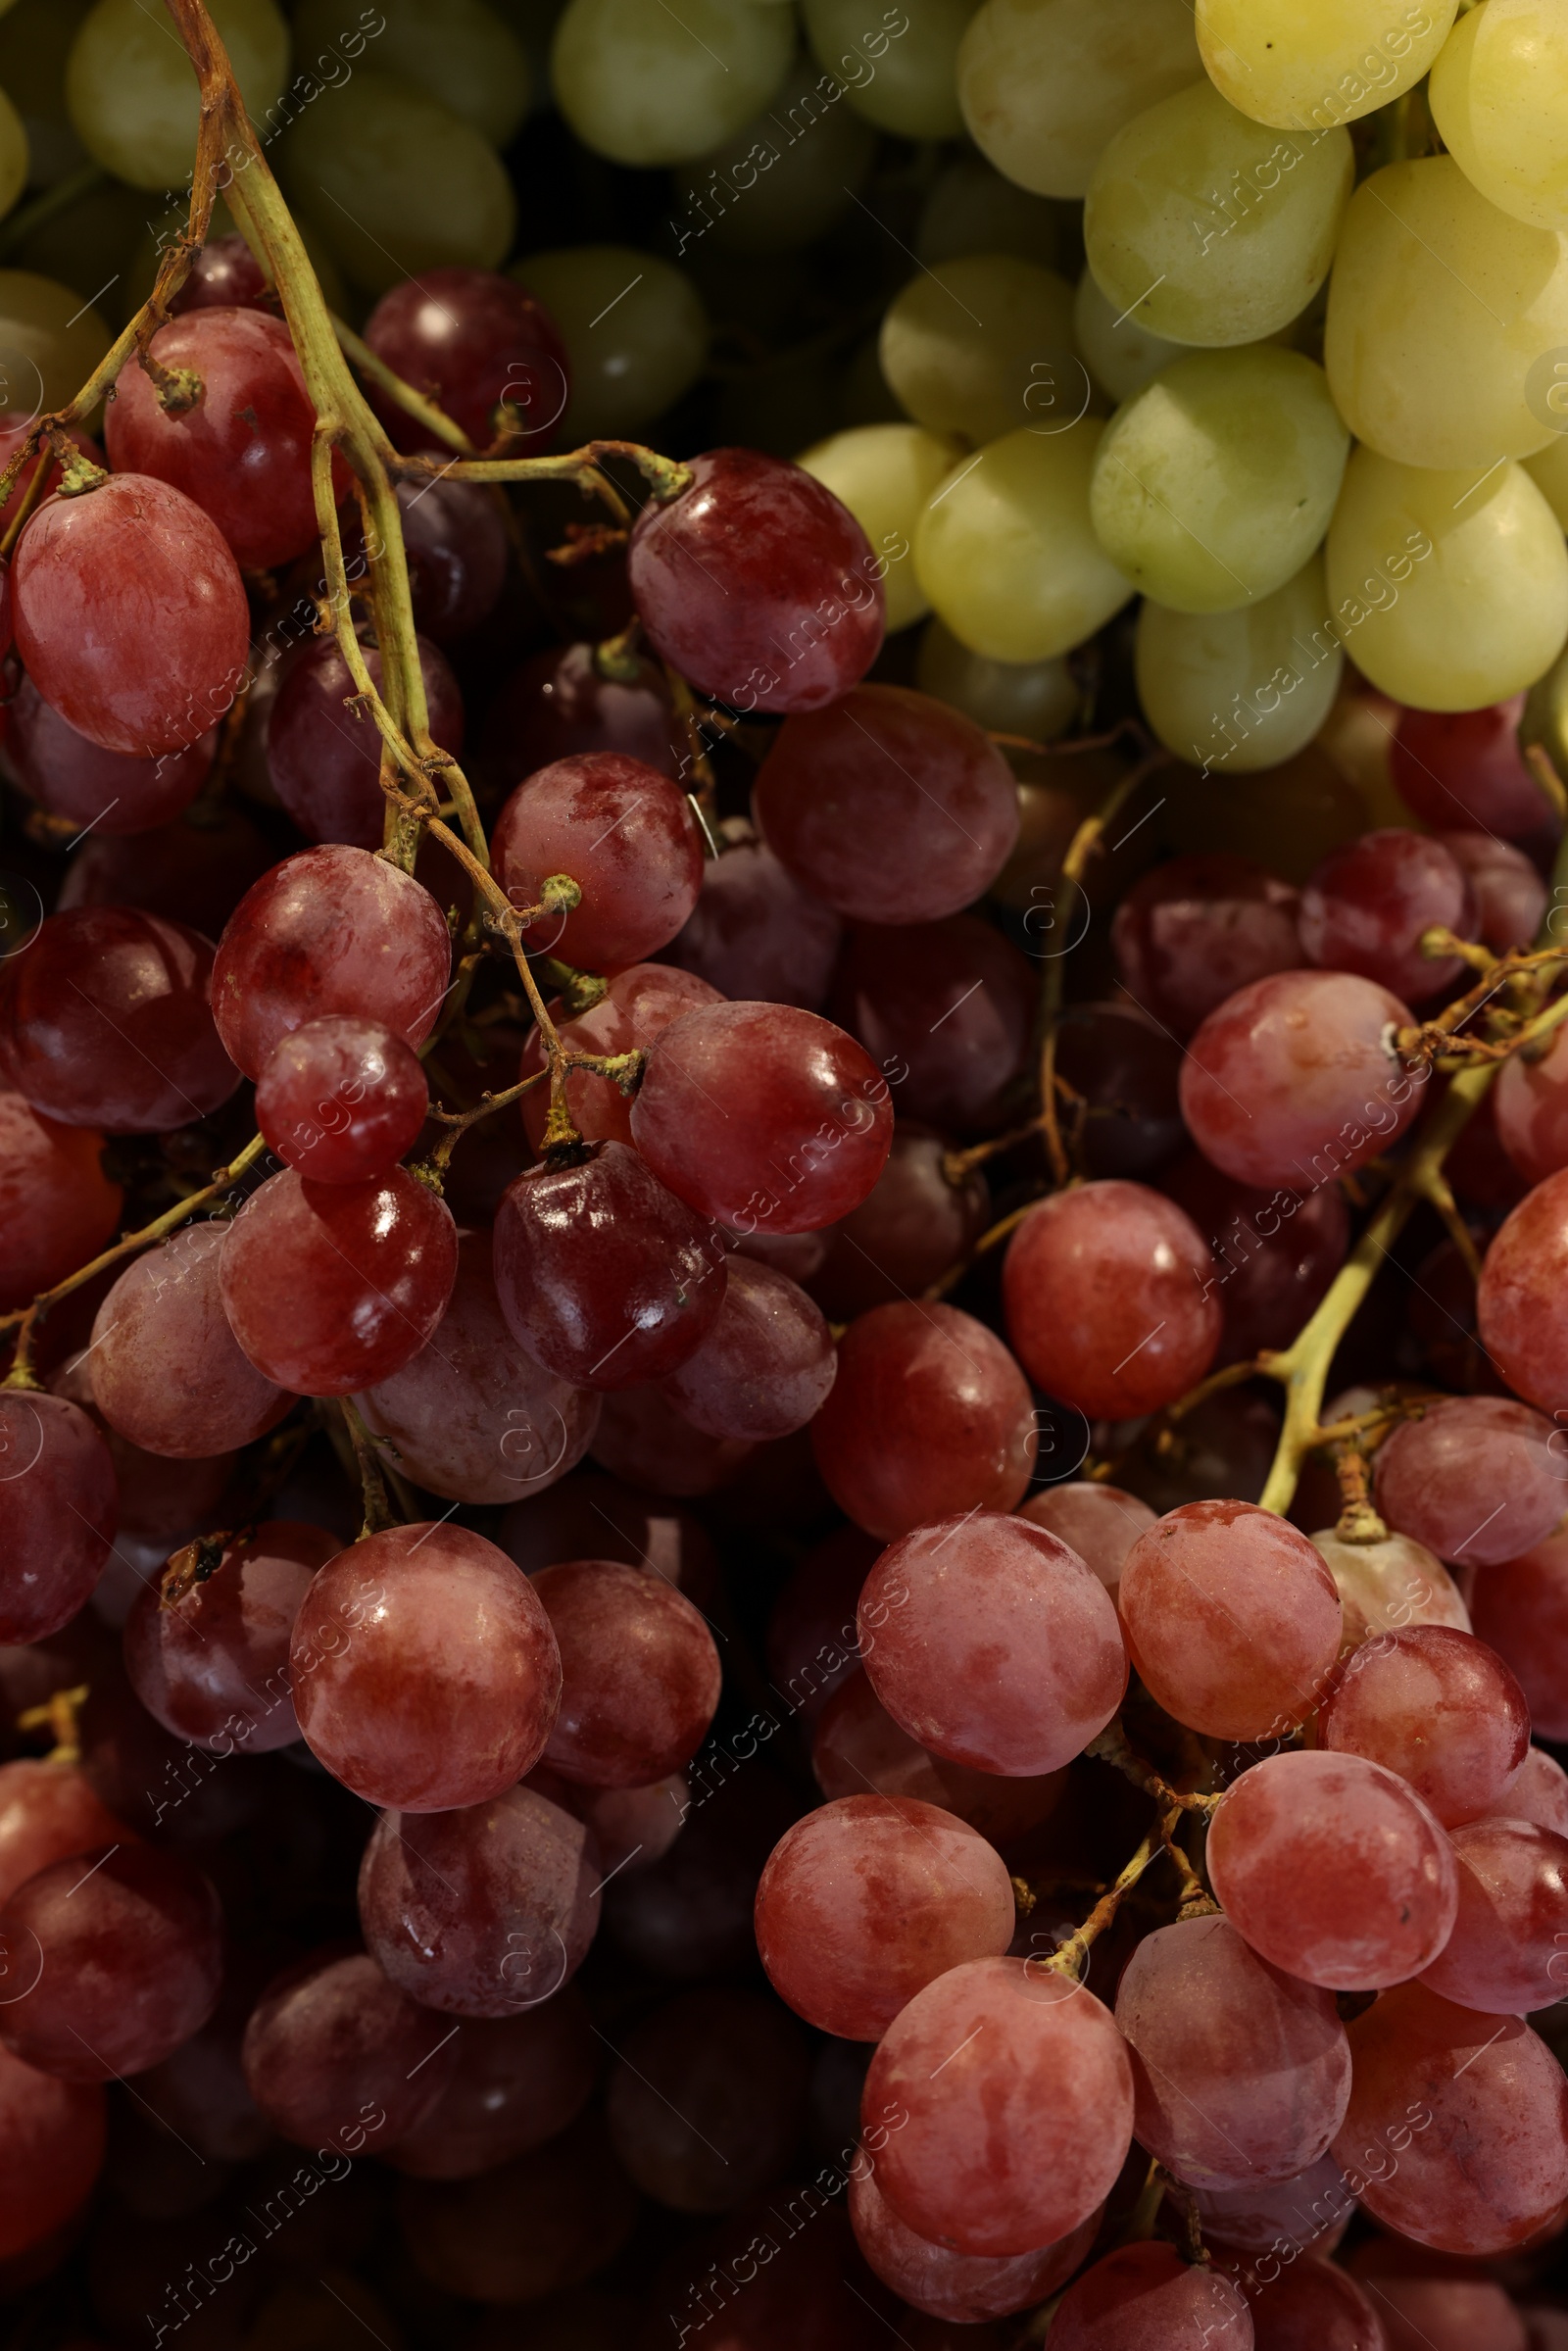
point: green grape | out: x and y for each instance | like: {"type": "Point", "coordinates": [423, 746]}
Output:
{"type": "Point", "coordinates": [645, 84]}
{"type": "Point", "coordinates": [131, 89]}
{"type": "Point", "coordinates": [884, 474]}
{"type": "Point", "coordinates": [1044, 84]}
{"type": "Point", "coordinates": [1006, 551]}
{"type": "Point", "coordinates": [1294, 66]}
{"type": "Point", "coordinates": [1548, 470]}
{"type": "Point", "coordinates": [636, 331]}
{"type": "Point", "coordinates": [982, 345]}
{"type": "Point", "coordinates": [35, 38]}
{"type": "Point", "coordinates": [13, 154]}
{"type": "Point", "coordinates": [1448, 589]}
{"type": "Point", "coordinates": [1035, 699]}
{"type": "Point", "coordinates": [1439, 307]}
{"type": "Point", "coordinates": [1209, 229]}
{"type": "Point", "coordinates": [1241, 690]}
{"type": "Point", "coordinates": [1122, 355]}
{"type": "Point", "coordinates": [456, 50]}
{"type": "Point", "coordinates": [896, 64]}
{"type": "Point", "coordinates": [49, 345]}
{"type": "Point", "coordinates": [1214, 483]}
{"type": "Point", "coordinates": [1546, 714]}
{"type": "Point", "coordinates": [782, 179]}
{"type": "Point", "coordinates": [1498, 94]}
{"type": "Point", "coordinates": [972, 209]}
{"type": "Point", "coordinates": [1287, 822]}
{"type": "Point", "coordinates": [396, 183]}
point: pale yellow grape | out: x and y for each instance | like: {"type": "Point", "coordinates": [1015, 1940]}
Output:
{"type": "Point", "coordinates": [983, 345]}
{"type": "Point", "coordinates": [1209, 229]}
{"type": "Point", "coordinates": [1034, 699]}
{"type": "Point", "coordinates": [1498, 94]}
{"type": "Point", "coordinates": [1006, 551]}
{"type": "Point", "coordinates": [1214, 483]}
{"type": "Point", "coordinates": [901, 80]}
{"type": "Point", "coordinates": [49, 345]}
{"type": "Point", "coordinates": [456, 50]}
{"type": "Point", "coordinates": [784, 177]}
{"type": "Point", "coordinates": [636, 331]}
{"type": "Point", "coordinates": [1318, 61]}
{"type": "Point", "coordinates": [1448, 589]}
{"type": "Point", "coordinates": [1548, 470]}
{"type": "Point", "coordinates": [884, 473]}
{"type": "Point", "coordinates": [396, 183]}
{"type": "Point", "coordinates": [972, 209]}
{"type": "Point", "coordinates": [13, 154]}
{"type": "Point", "coordinates": [1442, 312]}
{"type": "Point", "coordinates": [1044, 84]}
{"type": "Point", "coordinates": [1546, 714]}
{"type": "Point", "coordinates": [1241, 690]}
{"type": "Point", "coordinates": [131, 91]}
{"type": "Point", "coordinates": [1122, 356]}
{"type": "Point", "coordinates": [647, 84]}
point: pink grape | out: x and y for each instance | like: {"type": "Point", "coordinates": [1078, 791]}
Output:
{"type": "Point", "coordinates": [889, 807]}
{"type": "Point", "coordinates": [1274, 1253]}
{"type": "Point", "coordinates": [1103, 1290]}
{"type": "Point", "coordinates": [1365, 909]}
{"type": "Point", "coordinates": [323, 759]}
{"type": "Point", "coordinates": [1314, 2306]}
{"type": "Point", "coordinates": [764, 1116]}
{"type": "Point", "coordinates": [1519, 1307]}
{"type": "Point", "coordinates": [341, 1100]}
{"type": "Point", "coordinates": [52, 2140]}
{"type": "Point", "coordinates": [1294, 1080]}
{"type": "Point", "coordinates": [947, 1011]}
{"type": "Point", "coordinates": [915, 1223]}
{"type": "Point", "coordinates": [1098, 1521]}
{"type": "Point", "coordinates": [58, 1509]}
{"type": "Point", "coordinates": [113, 792]}
{"type": "Point", "coordinates": [767, 1365]}
{"type": "Point", "coordinates": [557, 705]}
{"type": "Point", "coordinates": [592, 1516]}
{"type": "Point", "coordinates": [645, 1439]}
{"type": "Point", "coordinates": [859, 1746]}
{"type": "Point", "coordinates": [1333, 1869]}
{"type": "Point", "coordinates": [519, 2080]}
{"type": "Point", "coordinates": [1195, 929]}
{"type": "Point", "coordinates": [166, 1370]}
{"type": "Point", "coordinates": [160, 1501]}
{"type": "Point", "coordinates": [1511, 1933]}
{"type": "Point", "coordinates": [338, 2058]}
{"type": "Point", "coordinates": [1287, 2216]}
{"type": "Point", "coordinates": [1510, 895]}
{"type": "Point", "coordinates": [1521, 1610]}
{"type": "Point", "coordinates": [633, 1827]}
{"type": "Point", "coordinates": [1477, 1479]}
{"type": "Point", "coordinates": [1538, 1792]}
{"type": "Point", "coordinates": [639, 1673]}
{"type": "Point", "coordinates": [1465, 768]}
{"type": "Point", "coordinates": [1437, 1707]}
{"type": "Point", "coordinates": [1435, 2302]}
{"type": "Point", "coordinates": [964, 2288]}
{"type": "Point", "coordinates": [87, 571]}
{"type": "Point", "coordinates": [1145, 2298]}
{"type": "Point", "coordinates": [469, 340]}
{"type": "Point", "coordinates": [997, 2064]}
{"type": "Point", "coordinates": [186, 871]}
{"type": "Point", "coordinates": [707, 2102]}
{"type": "Point", "coordinates": [869, 1899]}
{"type": "Point", "coordinates": [211, 1663]}
{"type": "Point", "coordinates": [756, 934]}
{"type": "Point", "coordinates": [332, 929]}
{"type": "Point", "coordinates": [639, 1002]}
{"type": "Point", "coordinates": [624, 834]}
{"type": "Point", "coordinates": [48, 1810]}
{"type": "Point", "coordinates": [425, 1673]}
{"type": "Point", "coordinates": [1384, 1587]}
{"type": "Point", "coordinates": [991, 1643]}
{"type": "Point", "coordinates": [224, 275]}
{"type": "Point", "coordinates": [757, 585]}
{"type": "Point", "coordinates": [1530, 1105]}
{"type": "Point", "coordinates": [57, 1207]}
{"type": "Point", "coordinates": [929, 1414]}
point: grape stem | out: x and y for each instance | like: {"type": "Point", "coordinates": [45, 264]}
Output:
{"type": "Point", "coordinates": [379, 1514]}
{"type": "Point", "coordinates": [58, 1715]}
{"type": "Point", "coordinates": [1112, 1745]}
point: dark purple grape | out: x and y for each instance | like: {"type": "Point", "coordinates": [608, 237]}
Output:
{"type": "Point", "coordinates": [947, 1011]}
{"type": "Point", "coordinates": [324, 760]}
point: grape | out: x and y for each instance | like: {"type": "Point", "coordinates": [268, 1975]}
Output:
{"type": "Point", "coordinates": [225, 276]}
{"type": "Point", "coordinates": [1509, 894]}
{"type": "Point", "coordinates": [465, 54]}
{"type": "Point", "coordinates": [592, 1516]}
{"type": "Point", "coordinates": [471, 341]}
{"type": "Point", "coordinates": [1191, 174]}
{"type": "Point", "coordinates": [160, 1501]}
{"type": "Point", "coordinates": [1215, 482]}
{"type": "Point", "coordinates": [606, 1278]}
{"type": "Point", "coordinates": [1103, 1290]}
{"type": "Point", "coordinates": [1037, 699]}
{"type": "Point", "coordinates": [646, 91]}
{"type": "Point", "coordinates": [558, 707]}
{"type": "Point", "coordinates": [1044, 87]}
{"type": "Point", "coordinates": [1270, 64]}
{"type": "Point", "coordinates": [1191, 932]}
{"type": "Point", "coordinates": [330, 930]}
{"type": "Point", "coordinates": [631, 1825]}
{"type": "Point", "coordinates": [542, 2221]}
{"type": "Point", "coordinates": [1098, 1521]}
{"type": "Point", "coordinates": [812, 1640]}
{"type": "Point", "coordinates": [1496, 96]}
{"type": "Point", "coordinates": [1417, 240]}
{"type": "Point", "coordinates": [690, 1914]}
{"type": "Point", "coordinates": [336, 2056]}
{"type": "Point", "coordinates": [425, 1687]}
{"type": "Point", "coordinates": [765, 1365]}
{"type": "Point", "coordinates": [518, 2080]}
{"type": "Point", "coordinates": [1294, 1080]}
{"type": "Point", "coordinates": [756, 934]}
{"type": "Point", "coordinates": [1226, 689]}
{"type": "Point", "coordinates": [914, 1223]}
{"type": "Point", "coordinates": [763, 1115]}
{"type": "Point", "coordinates": [165, 1370]}
{"type": "Point", "coordinates": [909, 90]}
{"type": "Point", "coordinates": [769, 188]}
{"type": "Point", "coordinates": [184, 870]}
{"type": "Point", "coordinates": [1275, 1253]}
{"type": "Point", "coordinates": [1122, 355]}
{"type": "Point", "coordinates": [57, 1207]}
{"type": "Point", "coordinates": [630, 366]}
{"type": "Point", "coordinates": [947, 1010]}
{"type": "Point", "coordinates": [1437, 1707]}
{"type": "Point", "coordinates": [1006, 552]}
{"type": "Point", "coordinates": [1449, 589]}
{"type": "Point", "coordinates": [482, 1912]}
{"type": "Point", "coordinates": [995, 2064]}
{"type": "Point", "coordinates": [929, 1416]}
{"type": "Point", "coordinates": [1367, 904]}
{"type": "Point", "coordinates": [133, 98]}
{"type": "Point", "coordinates": [859, 1746]}
{"type": "Point", "coordinates": [644, 1439]}
{"type": "Point", "coordinates": [1476, 1478]}
{"type": "Point", "coordinates": [1465, 766]}
{"type": "Point", "coordinates": [1333, 1868]}
{"type": "Point", "coordinates": [108, 791]}
{"type": "Point", "coordinates": [1521, 1610]}
{"type": "Point", "coordinates": [455, 545]}
{"type": "Point", "coordinates": [52, 2133]}
{"type": "Point", "coordinates": [991, 1643]}
{"type": "Point", "coordinates": [57, 1512]}
{"type": "Point", "coordinates": [1528, 1105]}
{"type": "Point", "coordinates": [755, 583]}
{"type": "Point", "coordinates": [1538, 1792]}
{"type": "Point", "coordinates": [1126, 1068]}
{"type": "Point", "coordinates": [1513, 1907]}
{"type": "Point", "coordinates": [211, 1662]}
{"type": "Point", "coordinates": [707, 2102]}
{"type": "Point", "coordinates": [964, 2288]}
{"type": "Point", "coordinates": [341, 1099]}
{"type": "Point", "coordinates": [1437, 2298]}
{"type": "Point", "coordinates": [330, 1287]}
{"type": "Point", "coordinates": [884, 474]}
{"type": "Point", "coordinates": [157, 1917]}
{"type": "Point", "coordinates": [323, 760]}
{"type": "Point", "coordinates": [1145, 2297]}
{"type": "Point", "coordinates": [981, 349]}
{"type": "Point", "coordinates": [1314, 2306]}
{"type": "Point", "coordinates": [48, 1810]}
{"type": "Point", "coordinates": [639, 1673]}
{"type": "Point", "coordinates": [624, 834]}
{"type": "Point", "coordinates": [1519, 1301]}
{"type": "Point", "coordinates": [1281, 2216]}
{"type": "Point", "coordinates": [889, 807]}
{"type": "Point", "coordinates": [1457, 2130]}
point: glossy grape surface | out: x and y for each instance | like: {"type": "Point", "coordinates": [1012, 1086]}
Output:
{"type": "Point", "coordinates": [1464, 767]}
{"type": "Point", "coordinates": [637, 1005]}
{"type": "Point", "coordinates": [964, 2288]}
{"type": "Point", "coordinates": [1519, 1305]}
{"type": "Point", "coordinates": [859, 1747]}
{"type": "Point", "coordinates": [166, 1371]}
{"type": "Point", "coordinates": [1505, 1954]}
{"type": "Point", "coordinates": [1440, 1709]}
{"type": "Point", "coordinates": [946, 1010]}
{"type": "Point", "coordinates": [914, 1224]}
{"type": "Point", "coordinates": [48, 1810]}
{"type": "Point", "coordinates": [1146, 2296]}
{"type": "Point", "coordinates": [1197, 928]}
{"type": "Point", "coordinates": [58, 1509]}
{"type": "Point", "coordinates": [640, 1673]}
{"type": "Point", "coordinates": [469, 340]}
{"type": "Point", "coordinates": [1521, 1610]}
{"type": "Point", "coordinates": [341, 1100]}
{"type": "Point", "coordinates": [57, 1205]}
{"type": "Point", "coordinates": [624, 834]}
{"type": "Point", "coordinates": [337, 2057]}
{"type": "Point", "coordinates": [767, 1365]}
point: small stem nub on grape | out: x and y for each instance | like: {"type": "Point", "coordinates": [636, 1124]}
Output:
{"type": "Point", "coordinates": [59, 1715]}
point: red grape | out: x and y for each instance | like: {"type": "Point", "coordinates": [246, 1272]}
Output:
{"type": "Point", "coordinates": [637, 1005]}
{"type": "Point", "coordinates": [1520, 1304]}
{"type": "Point", "coordinates": [544, 2221]}
{"type": "Point", "coordinates": [591, 1516]}
{"type": "Point", "coordinates": [646, 1441]}
{"type": "Point", "coordinates": [455, 544]}
{"type": "Point", "coordinates": [1107, 1297]}
{"type": "Point", "coordinates": [425, 1673]}
{"type": "Point", "coordinates": [707, 2101]}
{"type": "Point", "coordinates": [197, 868]}
{"type": "Point", "coordinates": [624, 834]}
{"type": "Point", "coordinates": [518, 2080]}
{"type": "Point", "coordinates": [224, 275]}
{"type": "Point", "coordinates": [914, 1224]}
{"type": "Point", "coordinates": [757, 585]}
{"type": "Point", "coordinates": [1464, 767]}
{"type": "Point", "coordinates": [991, 1643]}
{"type": "Point", "coordinates": [767, 1365]}
{"type": "Point", "coordinates": [1436, 2302]}
{"type": "Point", "coordinates": [1511, 1933]}
{"type": "Point", "coordinates": [1510, 895]}
{"type": "Point", "coordinates": [481, 1912]}
{"type": "Point", "coordinates": [128, 1945]}
{"type": "Point", "coordinates": [690, 1914]}
{"type": "Point", "coordinates": [130, 615]}
{"type": "Point", "coordinates": [1334, 1869]}
{"type": "Point", "coordinates": [1192, 931]}
{"type": "Point", "coordinates": [1384, 1585]}
{"type": "Point", "coordinates": [639, 1673]}
{"type": "Point", "coordinates": [1126, 1069]}
{"type": "Point", "coordinates": [52, 2137]}
{"type": "Point", "coordinates": [1000, 2066]}
{"type": "Point", "coordinates": [1538, 1792]}
{"type": "Point", "coordinates": [57, 1207]}
{"type": "Point", "coordinates": [211, 1662]}
{"type": "Point", "coordinates": [947, 1011]}
{"type": "Point", "coordinates": [1146, 2298]}
{"type": "Point", "coordinates": [1437, 1707]}
{"type": "Point", "coordinates": [1530, 1104]}
{"type": "Point", "coordinates": [755, 934]}
{"type": "Point", "coordinates": [332, 929]}
{"type": "Point", "coordinates": [965, 2287]}
{"type": "Point", "coordinates": [341, 1099]}
{"type": "Point", "coordinates": [560, 704]}
{"type": "Point", "coordinates": [57, 1512]}
{"type": "Point", "coordinates": [812, 1639]}
{"type": "Point", "coordinates": [1274, 1253]}
{"type": "Point", "coordinates": [929, 1415]}
{"type": "Point", "coordinates": [337, 2058]}
{"type": "Point", "coordinates": [48, 1809]}
{"type": "Point", "coordinates": [1098, 1521]}
{"type": "Point", "coordinates": [105, 1022]}
{"type": "Point", "coordinates": [1294, 1080]}
{"type": "Point", "coordinates": [1365, 909]}
{"type": "Point", "coordinates": [859, 1746]}
{"type": "Point", "coordinates": [1286, 2216]}
{"type": "Point", "coordinates": [469, 340]}
{"type": "Point", "coordinates": [160, 1500]}
{"type": "Point", "coordinates": [633, 1827]}
{"type": "Point", "coordinates": [166, 1371]}
{"type": "Point", "coordinates": [323, 759]}
{"type": "Point", "coordinates": [109, 792]}
{"type": "Point", "coordinates": [9, 434]}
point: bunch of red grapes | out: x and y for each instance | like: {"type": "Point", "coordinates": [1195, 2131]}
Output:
{"type": "Point", "coordinates": [584, 1683]}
